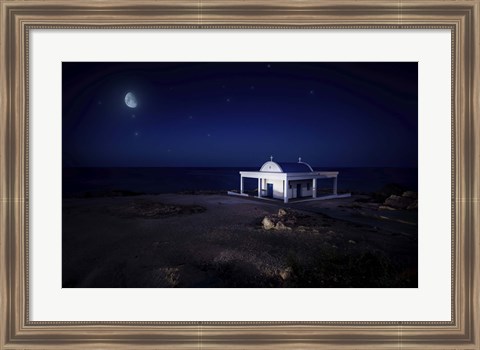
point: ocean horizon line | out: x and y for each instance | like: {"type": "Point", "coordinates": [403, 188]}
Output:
{"type": "Point", "coordinates": [174, 179]}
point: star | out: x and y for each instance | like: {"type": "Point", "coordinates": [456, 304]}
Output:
{"type": "Point", "coordinates": [190, 117]}
{"type": "Point", "coordinates": [137, 133]}
{"type": "Point", "coordinates": [133, 115]}
{"type": "Point", "coordinates": [268, 66]}
{"type": "Point", "coordinates": [252, 87]}
{"type": "Point", "coordinates": [312, 92]}
{"type": "Point", "coordinates": [99, 102]}
{"type": "Point", "coordinates": [228, 99]}
{"type": "Point", "coordinates": [209, 135]}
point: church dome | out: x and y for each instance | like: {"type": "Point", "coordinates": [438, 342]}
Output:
{"type": "Point", "coordinates": [285, 167]}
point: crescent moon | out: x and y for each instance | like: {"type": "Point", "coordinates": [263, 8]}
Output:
{"type": "Point", "coordinates": [130, 100]}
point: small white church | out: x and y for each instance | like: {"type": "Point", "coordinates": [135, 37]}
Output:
{"type": "Point", "coordinates": [286, 181]}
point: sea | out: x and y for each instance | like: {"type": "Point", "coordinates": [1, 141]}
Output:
{"type": "Point", "coordinates": [80, 181]}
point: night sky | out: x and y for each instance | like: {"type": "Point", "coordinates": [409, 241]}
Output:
{"type": "Point", "coordinates": [239, 114]}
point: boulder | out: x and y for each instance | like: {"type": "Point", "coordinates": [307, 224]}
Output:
{"type": "Point", "coordinates": [388, 190]}
{"type": "Point", "coordinates": [286, 273]}
{"type": "Point", "coordinates": [281, 226]}
{"type": "Point", "coordinates": [385, 207]}
{"type": "Point", "coordinates": [410, 194]}
{"type": "Point", "coordinates": [398, 202]}
{"type": "Point", "coordinates": [268, 223]}
{"type": "Point", "coordinates": [413, 206]}
{"type": "Point", "coordinates": [282, 213]}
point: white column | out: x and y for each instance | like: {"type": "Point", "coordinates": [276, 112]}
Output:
{"type": "Point", "coordinates": [259, 187]}
{"type": "Point", "coordinates": [335, 185]}
{"type": "Point", "coordinates": [285, 191]}
{"type": "Point", "coordinates": [241, 184]}
{"type": "Point", "coordinates": [314, 188]}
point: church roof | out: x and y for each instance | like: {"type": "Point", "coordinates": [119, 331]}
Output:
{"type": "Point", "coordinates": [295, 167]}
{"type": "Point", "coordinates": [286, 167]}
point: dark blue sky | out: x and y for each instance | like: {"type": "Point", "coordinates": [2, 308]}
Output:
{"type": "Point", "coordinates": [238, 114]}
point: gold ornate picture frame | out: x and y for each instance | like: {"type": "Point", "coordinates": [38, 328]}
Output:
{"type": "Point", "coordinates": [17, 18]}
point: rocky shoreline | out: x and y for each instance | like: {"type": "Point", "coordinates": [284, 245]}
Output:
{"type": "Point", "coordinates": [213, 240]}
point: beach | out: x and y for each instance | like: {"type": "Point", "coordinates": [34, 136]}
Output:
{"type": "Point", "coordinates": [212, 240]}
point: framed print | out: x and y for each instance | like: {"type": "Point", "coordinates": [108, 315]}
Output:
{"type": "Point", "coordinates": [239, 174]}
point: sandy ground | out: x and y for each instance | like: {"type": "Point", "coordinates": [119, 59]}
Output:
{"type": "Point", "coordinates": [178, 240]}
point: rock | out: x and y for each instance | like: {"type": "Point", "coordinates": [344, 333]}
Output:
{"type": "Point", "coordinates": [147, 209]}
{"type": "Point", "coordinates": [413, 206]}
{"type": "Point", "coordinates": [267, 223]}
{"type": "Point", "coordinates": [282, 213]}
{"type": "Point", "coordinates": [410, 194]}
{"type": "Point", "coordinates": [398, 202]}
{"type": "Point", "coordinates": [388, 190]}
{"type": "Point", "coordinates": [352, 241]}
{"type": "Point", "coordinates": [385, 207]}
{"type": "Point", "coordinates": [281, 226]}
{"type": "Point", "coordinates": [286, 273]}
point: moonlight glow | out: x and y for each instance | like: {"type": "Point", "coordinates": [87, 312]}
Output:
{"type": "Point", "coordinates": [130, 100]}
